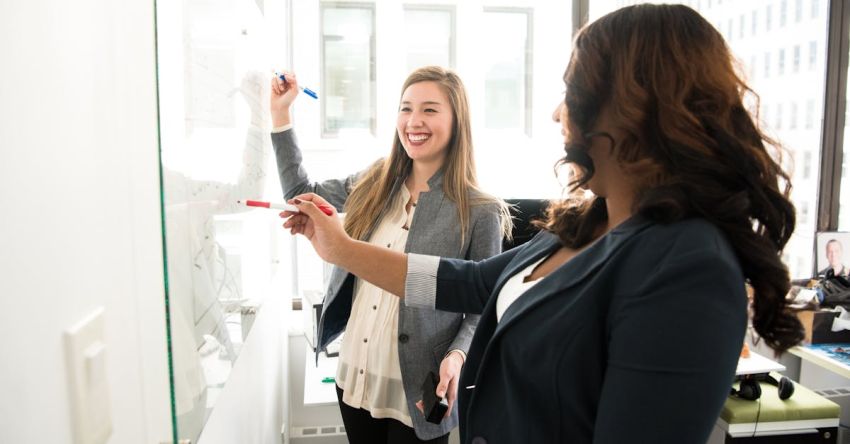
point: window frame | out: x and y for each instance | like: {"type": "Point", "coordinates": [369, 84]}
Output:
{"type": "Point", "coordinates": [832, 135]}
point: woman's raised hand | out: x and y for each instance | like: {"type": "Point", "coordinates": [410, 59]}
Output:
{"type": "Point", "coordinates": [323, 231]}
{"type": "Point", "coordinates": [282, 96]}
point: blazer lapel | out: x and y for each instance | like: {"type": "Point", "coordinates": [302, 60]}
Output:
{"type": "Point", "coordinates": [570, 274]}
{"type": "Point", "coordinates": [542, 245]}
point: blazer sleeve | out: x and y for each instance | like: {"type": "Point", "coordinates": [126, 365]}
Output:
{"type": "Point", "coordinates": [485, 241]}
{"type": "Point", "coordinates": [673, 346]}
{"type": "Point", "coordinates": [293, 176]}
{"type": "Point", "coordinates": [456, 285]}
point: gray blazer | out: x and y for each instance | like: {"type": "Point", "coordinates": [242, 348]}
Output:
{"type": "Point", "coordinates": [425, 336]}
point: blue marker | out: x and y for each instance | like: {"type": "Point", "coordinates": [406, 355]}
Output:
{"type": "Point", "coordinates": [307, 91]}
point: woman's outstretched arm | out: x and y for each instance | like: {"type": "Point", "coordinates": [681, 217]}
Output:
{"type": "Point", "coordinates": [382, 267]}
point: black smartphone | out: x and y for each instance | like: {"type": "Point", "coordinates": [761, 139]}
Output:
{"type": "Point", "coordinates": [435, 407]}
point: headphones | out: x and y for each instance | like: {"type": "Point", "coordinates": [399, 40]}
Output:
{"type": "Point", "coordinates": [750, 389]}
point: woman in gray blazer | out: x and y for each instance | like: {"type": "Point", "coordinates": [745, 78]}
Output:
{"type": "Point", "coordinates": [622, 321]}
{"type": "Point", "coordinates": [422, 198]}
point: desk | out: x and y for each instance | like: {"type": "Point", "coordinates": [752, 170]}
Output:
{"type": "Point", "coordinates": [821, 359]}
{"type": "Point", "coordinates": [757, 363]}
{"type": "Point", "coordinates": [317, 392]}
{"type": "Point", "coordinates": [807, 418]}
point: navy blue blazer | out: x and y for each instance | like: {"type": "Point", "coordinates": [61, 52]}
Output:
{"type": "Point", "coordinates": [636, 339]}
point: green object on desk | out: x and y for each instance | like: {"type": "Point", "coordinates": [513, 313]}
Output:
{"type": "Point", "coordinates": [803, 405]}
{"type": "Point", "coordinates": [328, 380]}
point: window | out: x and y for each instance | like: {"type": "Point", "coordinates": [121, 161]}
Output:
{"type": "Point", "coordinates": [766, 64]}
{"type": "Point", "coordinates": [430, 36]}
{"type": "Point", "coordinates": [765, 114]}
{"type": "Point", "coordinates": [795, 137]}
{"type": "Point", "coordinates": [365, 50]}
{"type": "Point", "coordinates": [754, 22]}
{"type": "Point", "coordinates": [506, 69]}
{"type": "Point", "coordinates": [767, 17]}
{"type": "Point", "coordinates": [803, 211]}
{"type": "Point", "coordinates": [792, 119]}
{"type": "Point", "coordinates": [810, 114]}
{"type": "Point", "coordinates": [796, 58]}
{"type": "Point", "coordinates": [813, 54]}
{"type": "Point", "coordinates": [742, 27]}
{"type": "Point", "coordinates": [348, 61]}
{"type": "Point", "coordinates": [807, 165]}
{"type": "Point", "coordinates": [752, 66]}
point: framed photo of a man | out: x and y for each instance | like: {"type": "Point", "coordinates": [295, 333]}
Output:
{"type": "Point", "coordinates": [832, 250]}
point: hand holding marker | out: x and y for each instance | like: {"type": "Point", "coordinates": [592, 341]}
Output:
{"type": "Point", "coordinates": [307, 91]}
{"type": "Point", "coordinates": [284, 206]}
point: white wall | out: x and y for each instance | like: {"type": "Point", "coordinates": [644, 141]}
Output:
{"type": "Point", "coordinates": [80, 223]}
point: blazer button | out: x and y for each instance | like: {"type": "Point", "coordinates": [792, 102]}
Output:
{"type": "Point", "coordinates": [403, 338]}
{"type": "Point", "coordinates": [479, 440]}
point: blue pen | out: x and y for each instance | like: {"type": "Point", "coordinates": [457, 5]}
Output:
{"type": "Point", "coordinates": [307, 91]}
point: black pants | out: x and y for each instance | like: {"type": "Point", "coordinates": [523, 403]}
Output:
{"type": "Point", "coordinates": [362, 428]}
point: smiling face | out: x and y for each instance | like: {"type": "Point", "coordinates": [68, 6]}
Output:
{"type": "Point", "coordinates": [425, 122]}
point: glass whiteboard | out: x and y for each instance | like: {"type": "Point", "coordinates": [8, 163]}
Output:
{"type": "Point", "coordinates": [213, 75]}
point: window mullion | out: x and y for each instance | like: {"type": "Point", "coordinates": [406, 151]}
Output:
{"type": "Point", "coordinates": [835, 97]}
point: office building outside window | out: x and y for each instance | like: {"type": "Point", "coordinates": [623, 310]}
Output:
{"type": "Point", "coordinates": [742, 27]}
{"type": "Point", "coordinates": [810, 113]}
{"type": "Point", "coordinates": [792, 119]}
{"type": "Point", "coordinates": [766, 64]}
{"type": "Point", "coordinates": [768, 15]}
{"type": "Point", "coordinates": [813, 55]}
{"type": "Point", "coordinates": [755, 22]}
{"type": "Point", "coordinates": [796, 58]}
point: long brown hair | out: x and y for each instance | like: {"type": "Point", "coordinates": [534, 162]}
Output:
{"type": "Point", "coordinates": [460, 182]}
{"type": "Point", "coordinates": [668, 79]}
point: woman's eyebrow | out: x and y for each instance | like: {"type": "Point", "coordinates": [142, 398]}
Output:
{"type": "Point", "coordinates": [407, 102]}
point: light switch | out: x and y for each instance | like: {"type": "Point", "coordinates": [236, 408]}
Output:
{"type": "Point", "coordinates": [85, 354]}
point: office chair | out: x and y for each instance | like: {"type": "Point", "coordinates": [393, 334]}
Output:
{"type": "Point", "coordinates": [523, 211]}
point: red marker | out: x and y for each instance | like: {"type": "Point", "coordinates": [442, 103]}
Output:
{"type": "Point", "coordinates": [284, 206]}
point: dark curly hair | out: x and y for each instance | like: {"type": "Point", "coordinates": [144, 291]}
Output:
{"type": "Point", "coordinates": [668, 79]}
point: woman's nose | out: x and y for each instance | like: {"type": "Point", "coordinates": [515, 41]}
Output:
{"type": "Point", "coordinates": [556, 115]}
{"type": "Point", "coordinates": [415, 120]}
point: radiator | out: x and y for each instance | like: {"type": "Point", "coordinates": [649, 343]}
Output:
{"type": "Point", "coordinates": [840, 396]}
{"type": "Point", "coordinates": [326, 434]}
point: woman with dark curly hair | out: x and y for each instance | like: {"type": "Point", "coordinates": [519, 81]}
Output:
{"type": "Point", "coordinates": [623, 319]}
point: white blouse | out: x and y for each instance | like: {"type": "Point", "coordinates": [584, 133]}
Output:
{"type": "Point", "coordinates": [369, 372]}
{"type": "Point", "coordinates": [514, 288]}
